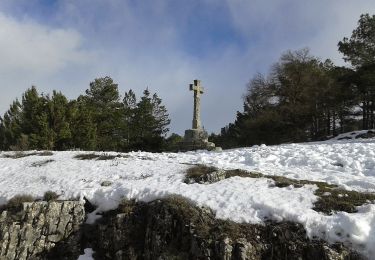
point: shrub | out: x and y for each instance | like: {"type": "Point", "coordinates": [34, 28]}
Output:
{"type": "Point", "coordinates": [50, 196]}
{"type": "Point", "coordinates": [15, 203]}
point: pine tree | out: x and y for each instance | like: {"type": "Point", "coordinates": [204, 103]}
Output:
{"type": "Point", "coordinates": [102, 98]}
{"type": "Point", "coordinates": [83, 128]}
{"type": "Point", "coordinates": [149, 123]}
{"type": "Point", "coordinates": [129, 108]}
{"type": "Point", "coordinates": [10, 127]}
{"type": "Point", "coordinates": [359, 50]}
{"type": "Point", "coordinates": [34, 120]}
{"type": "Point", "coordinates": [59, 122]}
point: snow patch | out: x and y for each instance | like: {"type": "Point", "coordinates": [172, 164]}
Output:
{"type": "Point", "coordinates": [148, 176]}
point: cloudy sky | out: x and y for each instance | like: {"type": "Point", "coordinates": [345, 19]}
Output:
{"type": "Point", "coordinates": [164, 45]}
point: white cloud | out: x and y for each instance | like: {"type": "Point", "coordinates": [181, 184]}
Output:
{"type": "Point", "coordinates": [31, 48]}
{"type": "Point", "coordinates": [31, 53]}
{"type": "Point", "coordinates": [278, 25]}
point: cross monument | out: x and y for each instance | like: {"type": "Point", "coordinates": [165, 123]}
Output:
{"type": "Point", "coordinates": [198, 90]}
{"type": "Point", "coordinates": [196, 138]}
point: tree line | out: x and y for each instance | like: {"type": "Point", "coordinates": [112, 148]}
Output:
{"type": "Point", "coordinates": [98, 120]}
{"type": "Point", "coordinates": [303, 98]}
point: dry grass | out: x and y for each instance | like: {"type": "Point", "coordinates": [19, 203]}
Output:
{"type": "Point", "coordinates": [94, 156]}
{"type": "Point", "coordinates": [331, 197]}
{"type": "Point", "coordinates": [41, 163]}
{"type": "Point", "coordinates": [20, 154]}
{"type": "Point", "coordinates": [50, 196]}
{"type": "Point", "coordinates": [15, 204]}
{"type": "Point", "coordinates": [199, 170]}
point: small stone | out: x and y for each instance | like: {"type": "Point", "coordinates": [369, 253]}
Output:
{"type": "Point", "coordinates": [106, 183]}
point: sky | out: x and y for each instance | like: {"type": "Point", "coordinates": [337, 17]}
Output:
{"type": "Point", "coordinates": [164, 45]}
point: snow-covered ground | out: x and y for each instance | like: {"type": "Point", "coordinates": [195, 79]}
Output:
{"type": "Point", "coordinates": [147, 176]}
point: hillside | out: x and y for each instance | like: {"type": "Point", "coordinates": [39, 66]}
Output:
{"type": "Point", "coordinates": [325, 186]}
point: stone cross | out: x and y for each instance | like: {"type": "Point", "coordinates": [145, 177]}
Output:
{"type": "Point", "coordinates": [198, 90]}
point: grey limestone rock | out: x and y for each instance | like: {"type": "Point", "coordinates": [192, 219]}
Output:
{"type": "Point", "coordinates": [40, 228]}
{"type": "Point", "coordinates": [173, 228]}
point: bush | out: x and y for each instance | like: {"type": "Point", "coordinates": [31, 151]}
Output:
{"type": "Point", "coordinates": [50, 196]}
{"type": "Point", "coordinates": [15, 203]}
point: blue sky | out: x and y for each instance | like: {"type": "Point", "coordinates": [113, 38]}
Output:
{"type": "Point", "coordinates": [164, 45]}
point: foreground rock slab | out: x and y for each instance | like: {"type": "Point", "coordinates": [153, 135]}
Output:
{"type": "Point", "coordinates": [173, 228]}
{"type": "Point", "coordinates": [42, 230]}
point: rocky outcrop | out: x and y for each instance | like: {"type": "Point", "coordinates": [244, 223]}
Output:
{"type": "Point", "coordinates": [175, 229]}
{"type": "Point", "coordinates": [170, 228]}
{"type": "Point", "coordinates": [42, 230]}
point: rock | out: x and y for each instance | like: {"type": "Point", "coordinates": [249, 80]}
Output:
{"type": "Point", "coordinates": [369, 134]}
{"type": "Point", "coordinates": [106, 183]}
{"type": "Point", "coordinates": [42, 230]}
{"type": "Point", "coordinates": [173, 228]}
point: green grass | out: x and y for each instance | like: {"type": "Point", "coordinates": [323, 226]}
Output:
{"type": "Point", "coordinates": [331, 198]}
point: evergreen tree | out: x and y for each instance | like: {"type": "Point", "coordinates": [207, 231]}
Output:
{"type": "Point", "coordinates": [129, 108]}
{"type": "Point", "coordinates": [34, 120]}
{"type": "Point", "coordinates": [83, 128]}
{"type": "Point", "coordinates": [10, 127]}
{"type": "Point", "coordinates": [359, 50]}
{"type": "Point", "coordinates": [102, 98]}
{"type": "Point", "coordinates": [301, 99]}
{"type": "Point", "coordinates": [59, 120]}
{"type": "Point", "coordinates": [149, 123]}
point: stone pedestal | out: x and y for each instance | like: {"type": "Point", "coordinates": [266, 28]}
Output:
{"type": "Point", "coordinates": [196, 139]}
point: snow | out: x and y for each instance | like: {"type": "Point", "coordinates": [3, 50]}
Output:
{"type": "Point", "coordinates": [147, 176]}
{"type": "Point", "coordinates": [87, 255]}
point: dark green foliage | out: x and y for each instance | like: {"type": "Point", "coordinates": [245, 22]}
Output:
{"type": "Point", "coordinates": [103, 101]}
{"type": "Point", "coordinates": [10, 128]}
{"type": "Point", "coordinates": [98, 120]}
{"type": "Point", "coordinates": [83, 126]}
{"type": "Point", "coordinates": [59, 120]}
{"type": "Point", "coordinates": [172, 142]}
{"type": "Point", "coordinates": [306, 99]}
{"type": "Point", "coordinates": [359, 50]}
{"type": "Point", "coordinates": [147, 121]}
{"type": "Point", "coordinates": [50, 196]}
{"type": "Point", "coordinates": [301, 99]}
{"type": "Point", "coordinates": [34, 120]}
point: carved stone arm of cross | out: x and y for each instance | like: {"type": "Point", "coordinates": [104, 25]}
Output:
{"type": "Point", "coordinates": [197, 88]}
